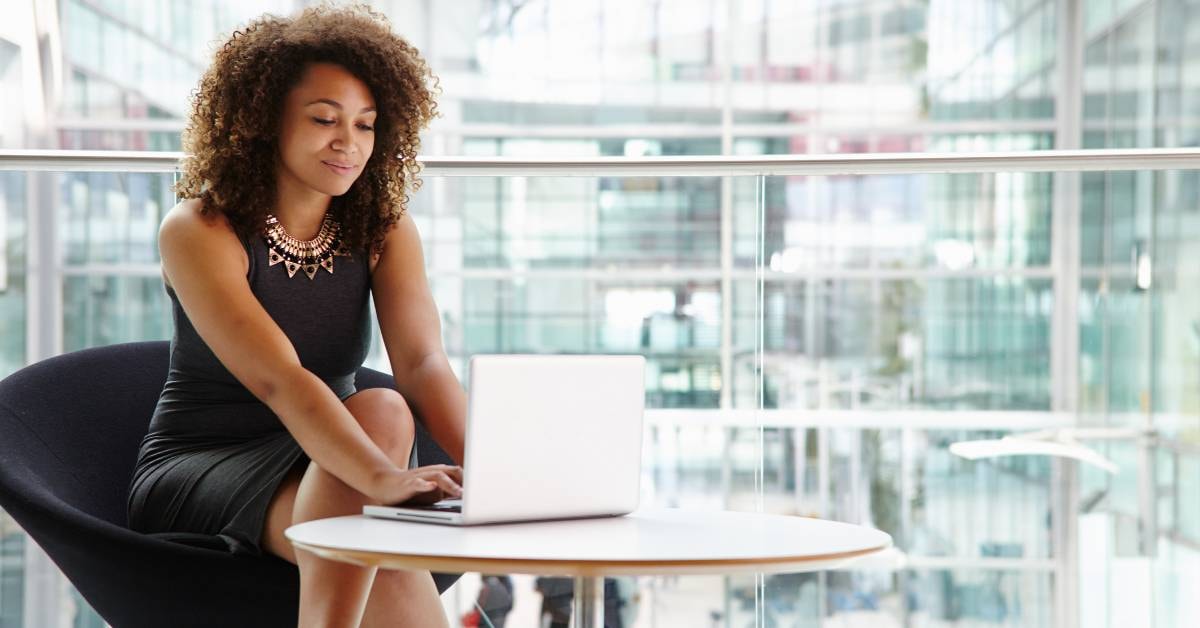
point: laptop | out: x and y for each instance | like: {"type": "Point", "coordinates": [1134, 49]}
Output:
{"type": "Point", "coordinates": [547, 437]}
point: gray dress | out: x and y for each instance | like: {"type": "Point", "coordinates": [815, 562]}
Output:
{"type": "Point", "coordinates": [215, 455]}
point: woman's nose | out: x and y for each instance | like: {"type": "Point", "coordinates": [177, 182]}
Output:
{"type": "Point", "coordinates": [344, 140]}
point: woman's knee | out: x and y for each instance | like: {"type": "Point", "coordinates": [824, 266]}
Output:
{"type": "Point", "coordinates": [386, 418]}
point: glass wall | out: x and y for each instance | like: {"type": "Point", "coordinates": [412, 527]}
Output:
{"type": "Point", "coordinates": [12, 357]}
{"type": "Point", "coordinates": [897, 314]}
{"type": "Point", "coordinates": [12, 271]}
{"type": "Point", "coordinates": [925, 306]}
{"type": "Point", "coordinates": [1138, 350]}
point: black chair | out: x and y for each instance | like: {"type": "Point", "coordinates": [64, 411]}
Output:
{"type": "Point", "coordinates": [70, 428]}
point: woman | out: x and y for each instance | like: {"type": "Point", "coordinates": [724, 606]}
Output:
{"type": "Point", "coordinates": [302, 137]}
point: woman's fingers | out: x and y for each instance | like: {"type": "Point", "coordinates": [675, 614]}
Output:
{"type": "Point", "coordinates": [426, 485]}
{"type": "Point", "coordinates": [455, 472]}
{"type": "Point", "coordinates": [441, 480]}
{"type": "Point", "coordinates": [427, 493]}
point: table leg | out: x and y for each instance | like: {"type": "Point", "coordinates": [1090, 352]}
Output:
{"type": "Point", "coordinates": [588, 606]}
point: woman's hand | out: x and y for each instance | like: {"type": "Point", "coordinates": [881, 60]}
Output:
{"type": "Point", "coordinates": [423, 485]}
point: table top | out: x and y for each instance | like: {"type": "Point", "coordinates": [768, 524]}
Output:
{"type": "Point", "coordinates": [646, 542]}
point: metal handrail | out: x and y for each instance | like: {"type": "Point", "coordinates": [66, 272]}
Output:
{"type": "Point", "coordinates": [1122, 159]}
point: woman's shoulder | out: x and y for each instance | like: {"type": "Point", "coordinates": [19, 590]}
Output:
{"type": "Point", "coordinates": [400, 235]}
{"type": "Point", "coordinates": [188, 215]}
{"type": "Point", "coordinates": [186, 227]}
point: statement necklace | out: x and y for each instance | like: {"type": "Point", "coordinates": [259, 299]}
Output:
{"type": "Point", "coordinates": [304, 254]}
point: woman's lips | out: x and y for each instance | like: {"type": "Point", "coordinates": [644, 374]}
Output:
{"type": "Point", "coordinates": [340, 169]}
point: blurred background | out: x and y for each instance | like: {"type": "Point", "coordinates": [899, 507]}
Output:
{"type": "Point", "coordinates": [814, 343]}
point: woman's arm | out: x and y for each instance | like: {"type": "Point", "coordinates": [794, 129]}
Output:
{"type": "Point", "coordinates": [205, 264]}
{"type": "Point", "coordinates": [412, 334]}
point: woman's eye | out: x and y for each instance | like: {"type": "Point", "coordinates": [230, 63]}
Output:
{"type": "Point", "coordinates": [323, 121]}
{"type": "Point", "coordinates": [366, 127]}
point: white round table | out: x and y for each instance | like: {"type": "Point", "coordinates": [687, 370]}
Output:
{"type": "Point", "coordinates": [646, 542]}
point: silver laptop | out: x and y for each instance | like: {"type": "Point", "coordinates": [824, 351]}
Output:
{"type": "Point", "coordinates": [548, 437]}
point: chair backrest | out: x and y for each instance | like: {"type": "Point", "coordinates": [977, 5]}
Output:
{"type": "Point", "coordinates": [73, 423]}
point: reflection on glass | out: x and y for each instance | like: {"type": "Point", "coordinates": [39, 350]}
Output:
{"type": "Point", "coordinates": [571, 222]}
{"type": "Point", "coordinates": [977, 597]}
{"type": "Point", "coordinates": [1176, 568]}
{"type": "Point", "coordinates": [947, 221]}
{"type": "Point", "coordinates": [12, 271]}
{"type": "Point", "coordinates": [1113, 349]}
{"type": "Point", "coordinates": [1187, 496]}
{"type": "Point", "coordinates": [891, 344]}
{"type": "Point", "coordinates": [912, 597]}
{"type": "Point", "coordinates": [995, 508]}
{"type": "Point", "coordinates": [108, 310]}
{"type": "Point", "coordinates": [12, 571]}
{"type": "Point", "coordinates": [112, 218]}
{"type": "Point", "coordinates": [676, 326]}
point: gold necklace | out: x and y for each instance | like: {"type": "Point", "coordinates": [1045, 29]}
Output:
{"type": "Point", "coordinates": [304, 254]}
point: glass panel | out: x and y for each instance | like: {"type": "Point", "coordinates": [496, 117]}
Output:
{"type": "Point", "coordinates": [1176, 305]}
{"type": "Point", "coordinates": [525, 601]}
{"type": "Point", "coordinates": [1187, 492]}
{"type": "Point", "coordinates": [888, 344]}
{"type": "Point", "coordinates": [12, 271]}
{"type": "Point", "coordinates": [950, 221]}
{"type": "Point", "coordinates": [958, 597]}
{"type": "Point", "coordinates": [1176, 569]}
{"type": "Point", "coordinates": [103, 310]}
{"type": "Point", "coordinates": [112, 218]}
{"type": "Point", "coordinates": [990, 60]}
{"type": "Point", "coordinates": [990, 508]}
{"type": "Point", "coordinates": [12, 572]}
{"type": "Point", "coordinates": [1137, 345]}
{"type": "Point", "coordinates": [1112, 350]}
{"type": "Point", "coordinates": [967, 597]}
{"type": "Point", "coordinates": [866, 477]}
{"type": "Point", "coordinates": [528, 222]}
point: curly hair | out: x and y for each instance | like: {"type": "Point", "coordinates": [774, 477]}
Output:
{"type": "Point", "coordinates": [232, 134]}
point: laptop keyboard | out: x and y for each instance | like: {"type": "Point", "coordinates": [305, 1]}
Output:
{"type": "Point", "coordinates": [446, 505]}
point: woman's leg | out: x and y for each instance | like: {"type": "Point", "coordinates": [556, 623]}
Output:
{"type": "Point", "coordinates": [340, 594]}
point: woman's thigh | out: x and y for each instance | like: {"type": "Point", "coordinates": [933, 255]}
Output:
{"type": "Point", "coordinates": [279, 514]}
{"type": "Point", "coordinates": [385, 417]}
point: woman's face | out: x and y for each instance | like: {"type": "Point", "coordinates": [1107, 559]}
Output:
{"type": "Point", "coordinates": [327, 132]}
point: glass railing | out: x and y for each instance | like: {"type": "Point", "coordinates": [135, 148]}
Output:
{"type": "Point", "coordinates": [818, 331]}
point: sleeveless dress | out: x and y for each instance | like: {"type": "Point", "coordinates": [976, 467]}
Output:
{"type": "Point", "coordinates": [215, 455]}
